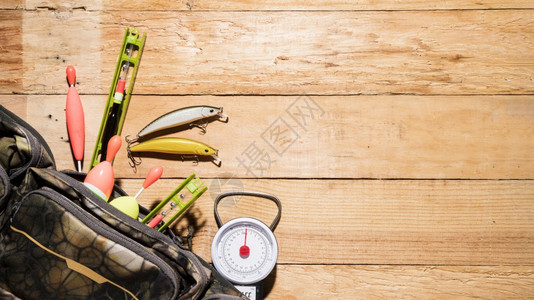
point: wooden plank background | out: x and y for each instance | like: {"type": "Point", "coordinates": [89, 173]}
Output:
{"type": "Point", "coordinates": [405, 164]}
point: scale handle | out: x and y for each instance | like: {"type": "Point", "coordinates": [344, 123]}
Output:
{"type": "Point", "coordinates": [252, 194]}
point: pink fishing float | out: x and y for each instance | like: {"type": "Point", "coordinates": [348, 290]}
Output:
{"type": "Point", "coordinates": [75, 118]}
{"type": "Point", "coordinates": [101, 178]}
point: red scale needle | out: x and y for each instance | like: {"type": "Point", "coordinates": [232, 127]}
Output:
{"type": "Point", "coordinates": [244, 251]}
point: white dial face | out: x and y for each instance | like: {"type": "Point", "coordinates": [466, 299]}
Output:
{"type": "Point", "coordinates": [244, 251]}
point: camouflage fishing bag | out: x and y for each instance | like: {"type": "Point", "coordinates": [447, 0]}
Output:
{"type": "Point", "coordinates": [60, 241]}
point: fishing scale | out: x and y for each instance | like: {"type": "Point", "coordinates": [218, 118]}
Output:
{"type": "Point", "coordinates": [119, 94]}
{"type": "Point", "coordinates": [244, 250]}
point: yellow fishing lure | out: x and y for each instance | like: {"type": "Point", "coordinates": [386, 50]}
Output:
{"type": "Point", "coordinates": [174, 145]}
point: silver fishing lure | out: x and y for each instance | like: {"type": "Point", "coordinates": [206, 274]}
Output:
{"type": "Point", "coordinates": [186, 115]}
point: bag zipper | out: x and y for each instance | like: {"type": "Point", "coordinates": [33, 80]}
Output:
{"type": "Point", "coordinates": [4, 178]}
{"type": "Point", "coordinates": [34, 140]}
{"type": "Point", "coordinates": [4, 198]}
{"type": "Point", "coordinates": [32, 130]}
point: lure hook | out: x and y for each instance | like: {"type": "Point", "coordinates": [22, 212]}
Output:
{"type": "Point", "coordinates": [202, 126]}
{"type": "Point", "coordinates": [194, 157]}
{"type": "Point", "coordinates": [131, 141]}
{"type": "Point", "coordinates": [134, 162]}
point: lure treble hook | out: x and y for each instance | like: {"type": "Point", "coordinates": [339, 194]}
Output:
{"type": "Point", "coordinates": [201, 126]}
{"type": "Point", "coordinates": [133, 162]}
{"type": "Point", "coordinates": [131, 141]}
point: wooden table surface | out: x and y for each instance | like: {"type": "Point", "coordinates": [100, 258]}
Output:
{"type": "Point", "coordinates": [398, 134]}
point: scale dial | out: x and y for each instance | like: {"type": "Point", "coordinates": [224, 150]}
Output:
{"type": "Point", "coordinates": [244, 251]}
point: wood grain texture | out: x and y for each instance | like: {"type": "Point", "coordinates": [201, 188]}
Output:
{"type": "Point", "coordinates": [377, 222]}
{"type": "Point", "coordinates": [12, 4]}
{"type": "Point", "coordinates": [11, 70]}
{"type": "Point", "coordinates": [406, 52]}
{"type": "Point", "coordinates": [17, 104]}
{"type": "Point", "coordinates": [324, 5]}
{"type": "Point", "coordinates": [48, 51]}
{"type": "Point", "coordinates": [401, 282]}
{"type": "Point", "coordinates": [325, 136]}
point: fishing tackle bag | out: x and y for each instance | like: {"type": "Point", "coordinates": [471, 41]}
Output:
{"type": "Point", "coordinates": [58, 240]}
